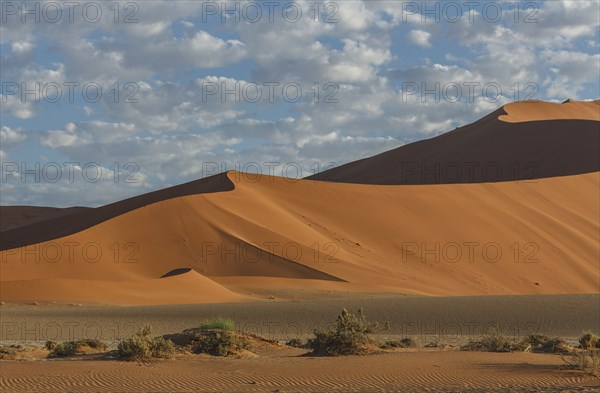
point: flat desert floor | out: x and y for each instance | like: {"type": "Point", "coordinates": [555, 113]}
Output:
{"type": "Point", "coordinates": [449, 320]}
{"type": "Point", "coordinates": [287, 370]}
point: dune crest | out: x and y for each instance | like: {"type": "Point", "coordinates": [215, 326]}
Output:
{"type": "Point", "coordinates": [537, 237]}
{"type": "Point", "coordinates": [524, 111]}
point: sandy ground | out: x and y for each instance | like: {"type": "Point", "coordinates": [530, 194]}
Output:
{"type": "Point", "coordinates": [451, 320]}
{"type": "Point", "coordinates": [287, 370]}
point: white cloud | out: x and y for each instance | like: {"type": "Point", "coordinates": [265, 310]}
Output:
{"type": "Point", "coordinates": [420, 38]}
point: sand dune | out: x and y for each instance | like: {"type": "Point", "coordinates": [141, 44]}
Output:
{"type": "Point", "coordinates": [235, 236]}
{"type": "Point", "coordinates": [58, 225]}
{"type": "Point", "coordinates": [539, 111]}
{"type": "Point", "coordinates": [537, 237]}
{"type": "Point", "coordinates": [17, 216]}
{"type": "Point", "coordinates": [523, 140]}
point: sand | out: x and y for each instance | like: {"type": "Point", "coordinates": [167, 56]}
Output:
{"type": "Point", "coordinates": [504, 238]}
{"type": "Point", "coordinates": [288, 371]}
{"type": "Point", "coordinates": [539, 111]}
{"type": "Point", "coordinates": [451, 320]}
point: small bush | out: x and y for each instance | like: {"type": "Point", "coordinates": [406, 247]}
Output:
{"type": "Point", "coordinates": [404, 343]}
{"type": "Point", "coordinates": [556, 345]}
{"type": "Point", "coordinates": [143, 346]}
{"type": "Point", "coordinates": [350, 335]}
{"type": "Point", "coordinates": [162, 348]}
{"type": "Point", "coordinates": [50, 345]}
{"type": "Point", "coordinates": [495, 342]}
{"type": "Point", "coordinates": [296, 343]}
{"type": "Point", "coordinates": [92, 343]}
{"type": "Point", "coordinates": [67, 348]}
{"type": "Point", "coordinates": [589, 340]}
{"type": "Point", "coordinates": [587, 361]}
{"type": "Point", "coordinates": [219, 343]}
{"type": "Point", "coordinates": [218, 324]}
{"type": "Point", "coordinates": [7, 351]}
{"type": "Point", "coordinates": [536, 340]}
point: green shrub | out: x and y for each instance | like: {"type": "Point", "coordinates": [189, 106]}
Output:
{"type": "Point", "coordinates": [218, 323]}
{"type": "Point", "coordinates": [143, 346]}
{"type": "Point", "coordinates": [349, 336]}
{"type": "Point", "coordinates": [162, 348]}
{"type": "Point", "coordinates": [219, 343]}
{"type": "Point", "coordinates": [589, 340]}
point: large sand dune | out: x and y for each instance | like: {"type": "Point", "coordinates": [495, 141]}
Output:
{"type": "Point", "coordinates": [538, 237]}
{"type": "Point", "coordinates": [523, 140]}
{"type": "Point", "coordinates": [237, 236]}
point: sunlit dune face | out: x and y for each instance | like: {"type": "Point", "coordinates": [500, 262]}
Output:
{"type": "Point", "coordinates": [523, 111]}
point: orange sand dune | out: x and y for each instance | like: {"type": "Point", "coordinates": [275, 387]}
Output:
{"type": "Point", "coordinates": [540, 110]}
{"type": "Point", "coordinates": [534, 237]}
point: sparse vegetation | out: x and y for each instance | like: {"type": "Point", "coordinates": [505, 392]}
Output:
{"type": "Point", "coordinates": [296, 343]}
{"type": "Point", "coordinates": [7, 351]}
{"type": "Point", "coordinates": [404, 343]}
{"type": "Point", "coordinates": [350, 335]}
{"type": "Point", "coordinates": [589, 340]}
{"type": "Point", "coordinates": [218, 323]}
{"type": "Point", "coordinates": [556, 345]}
{"type": "Point", "coordinates": [143, 346]}
{"type": "Point", "coordinates": [219, 343]}
{"type": "Point", "coordinates": [71, 348]}
{"type": "Point", "coordinates": [495, 342]}
{"type": "Point", "coordinates": [67, 348]}
{"type": "Point", "coordinates": [586, 361]}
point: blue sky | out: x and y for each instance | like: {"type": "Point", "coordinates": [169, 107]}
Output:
{"type": "Point", "coordinates": [167, 57]}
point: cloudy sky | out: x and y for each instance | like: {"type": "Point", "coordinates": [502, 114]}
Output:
{"type": "Point", "coordinates": [102, 100]}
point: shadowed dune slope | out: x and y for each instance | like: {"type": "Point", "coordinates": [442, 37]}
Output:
{"type": "Point", "coordinates": [523, 140]}
{"type": "Point", "coordinates": [17, 216]}
{"type": "Point", "coordinates": [536, 237]}
{"type": "Point", "coordinates": [52, 226]}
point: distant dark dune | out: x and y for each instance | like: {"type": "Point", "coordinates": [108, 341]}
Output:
{"type": "Point", "coordinates": [56, 226]}
{"type": "Point", "coordinates": [489, 150]}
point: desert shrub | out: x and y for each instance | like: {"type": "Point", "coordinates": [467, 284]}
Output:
{"type": "Point", "coordinates": [6, 351]}
{"type": "Point", "coordinates": [556, 345]}
{"type": "Point", "coordinates": [404, 343]}
{"type": "Point", "coordinates": [219, 343]}
{"type": "Point", "coordinates": [162, 348]}
{"type": "Point", "coordinates": [143, 346]}
{"type": "Point", "coordinates": [589, 340]}
{"type": "Point", "coordinates": [495, 342]}
{"type": "Point", "coordinates": [349, 336]}
{"type": "Point", "coordinates": [92, 343]}
{"type": "Point", "coordinates": [536, 340]}
{"type": "Point", "coordinates": [587, 361]}
{"type": "Point", "coordinates": [67, 348]}
{"type": "Point", "coordinates": [296, 343]}
{"type": "Point", "coordinates": [218, 323]}
{"type": "Point", "coordinates": [50, 345]}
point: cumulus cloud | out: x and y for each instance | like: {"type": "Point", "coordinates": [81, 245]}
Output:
{"type": "Point", "coordinates": [420, 38]}
{"type": "Point", "coordinates": [352, 64]}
